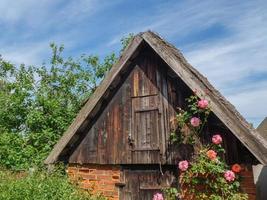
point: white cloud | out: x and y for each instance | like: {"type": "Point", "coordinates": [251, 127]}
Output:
{"type": "Point", "coordinates": [13, 12]}
{"type": "Point", "coordinates": [29, 54]}
{"type": "Point", "coordinates": [252, 103]}
{"type": "Point", "coordinates": [28, 26]}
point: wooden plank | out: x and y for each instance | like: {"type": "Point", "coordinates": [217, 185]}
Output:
{"type": "Point", "coordinates": [146, 95]}
{"type": "Point", "coordinates": [129, 129]}
{"type": "Point", "coordinates": [148, 109]}
{"type": "Point", "coordinates": [145, 149]}
{"type": "Point", "coordinates": [116, 131]}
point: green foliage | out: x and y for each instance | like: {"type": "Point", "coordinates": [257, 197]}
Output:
{"type": "Point", "coordinates": [170, 193]}
{"type": "Point", "coordinates": [40, 186]}
{"type": "Point", "coordinates": [38, 103]}
{"type": "Point", "coordinates": [185, 132]}
{"type": "Point", "coordinates": [208, 174]}
{"type": "Point", "coordinates": [14, 151]}
{"type": "Point", "coordinates": [126, 40]}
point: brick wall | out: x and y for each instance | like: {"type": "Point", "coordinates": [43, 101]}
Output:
{"type": "Point", "coordinates": [247, 183]}
{"type": "Point", "coordinates": [98, 178]}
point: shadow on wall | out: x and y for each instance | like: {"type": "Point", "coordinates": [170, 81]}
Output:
{"type": "Point", "coordinates": [260, 179]}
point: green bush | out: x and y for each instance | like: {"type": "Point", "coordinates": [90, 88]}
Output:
{"type": "Point", "coordinates": [40, 186]}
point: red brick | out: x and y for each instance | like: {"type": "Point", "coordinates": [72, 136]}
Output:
{"type": "Point", "coordinates": [89, 177]}
{"type": "Point", "coordinates": [98, 178]}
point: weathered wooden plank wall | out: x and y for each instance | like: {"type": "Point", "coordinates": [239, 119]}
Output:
{"type": "Point", "coordinates": [135, 126]}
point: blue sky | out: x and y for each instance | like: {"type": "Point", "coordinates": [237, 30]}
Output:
{"type": "Point", "coordinates": [225, 40]}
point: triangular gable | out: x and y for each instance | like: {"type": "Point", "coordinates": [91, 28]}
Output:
{"type": "Point", "coordinates": [224, 110]}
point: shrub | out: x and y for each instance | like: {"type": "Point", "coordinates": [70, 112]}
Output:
{"type": "Point", "coordinates": [40, 186]}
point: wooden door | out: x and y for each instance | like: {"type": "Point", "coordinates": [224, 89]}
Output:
{"type": "Point", "coordinates": [147, 120]}
{"type": "Point", "coordinates": [146, 124]}
{"type": "Point", "coordinates": [143, 184]}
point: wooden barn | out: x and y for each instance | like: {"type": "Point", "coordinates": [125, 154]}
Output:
{"type": "Point", "coordinates": [119, 142]}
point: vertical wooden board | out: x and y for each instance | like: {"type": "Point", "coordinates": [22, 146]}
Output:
{"type": "Point", "coordinates": [155, 124]}
{"type": "Point", "coordinates": [111, 137]}
{"type": "Point", "coordinates": [171, 120]}
{"type": "Point", "coordinates": [161, 121]}
{"type": "Point", "coordinates": [134, 135]}
{"type": "Point", "coordinates": [141, 82]}
{"type": "Point", "coordinates": [108, 148]}
{"type": "Point", "coordinates": [100, 145]}
{"type": "Point", "coordinates": [142, 132]}
{"type": "Point", "coordinates": [148, 129]}
{"type": "Point", "coordinates": [135, 82]}
{"type": "Point", "coordinates": [173, 103]}
{"type": "Point", "coordinates": [145, 80]}
{"type": "Point", "coordinates": [120, 141]}
{"type": "Point", "coordinates": [128, 125]}
{"type": "Point", "coordinates": [152, 77]}
{"type": "Point", "coordinates": [165, 130]}
{"type": "Point", "coordinates": [102, 131]}
{"type": "Point", "coordinates": [116, 132]}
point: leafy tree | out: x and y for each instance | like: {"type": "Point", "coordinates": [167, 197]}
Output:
{"type": "Point", "coordinates": [37, 103]}
{"type": "Point", "coordinates": [126, 40]}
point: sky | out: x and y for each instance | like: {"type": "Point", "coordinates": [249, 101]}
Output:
{"type": "Point", "coordinates": [225, 40]}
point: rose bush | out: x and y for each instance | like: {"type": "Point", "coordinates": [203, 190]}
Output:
{"type": "Point", "coordinates": [207, 176]}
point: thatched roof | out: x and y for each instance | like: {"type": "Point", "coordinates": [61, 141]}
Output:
{"type": "Point", "coordinates": [223, 109]}
{"type": "Point", "coordinates": [262, 128]}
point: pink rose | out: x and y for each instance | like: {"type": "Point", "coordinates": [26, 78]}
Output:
{"type": "Point", "coordinates": [216, 139]}
{"type": "Point", "coordinates": [183, 165]}
{"type": "Point", "coordinates": [195, 121]}
{"type": "Point", "coordinates": [203, 103]}
{"type": "Point", "coordinates": [211, 154]}
{"type": "Point", "coordinates": [158, 196]}
{"type": "Point", "coordinates": [229, 175]}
